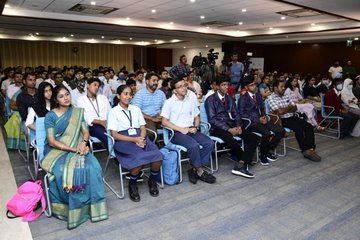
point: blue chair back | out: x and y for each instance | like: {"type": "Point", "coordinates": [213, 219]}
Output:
{"type": "Point", "coordinates": [40, 136]}
{"type": "Point", "coordinates": [323, 112]}
{"type": "Point", "coordinates": [267, 107]}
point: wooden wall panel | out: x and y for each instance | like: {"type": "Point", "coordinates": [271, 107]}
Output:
{"type": "Point", "coordinates": [35, 53]}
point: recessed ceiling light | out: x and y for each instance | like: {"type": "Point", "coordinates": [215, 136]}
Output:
{"type": "Point", "coordinates": [192, 1]}
{"type": "Point", "coordinates": [171, 22]}
{"type": "Point", "coordinates": [271, 28]}
{"type": "Point", "coordinates": [207, 27]}
{"type": "Point", "coordinates": [7, 5]}
{"type": "Point", "coordinates": [64, 37]}
{"type": "Point", "coordinates": [102, 37]}
{"type": "Point", "coordinates": [299, 41]}
{"type": "Point", "coordinates": [153, 10]}
{"type": "Point", "coordinates": [93, 3]}
{"type": "Point", "coordinates": [71, 35]}
{"type": "Point", "coordinates": [128, 18]}
{"type": "Point", "coordinates": [155, 40]}
{"type": "Point", "coordinates": [184, 47]}
{"type": "Point", "coordinates": [130, 39]}
{"type": "Point", "coordinates": [243, 10]}
{"type": "Point", "coordinates": [356, 39]}
{"type": "Point", "coordinates": [202, 17]}
{"type": "Point", "coordinates": [240, 23]}
{"type": "Point", "coordinates": [37, 33]}
{"type": "Point", "coordinates": [313, 24]}
{"type": "Point", "coordinates": [92, 39]}
{"type": "Point", "coordinates": [206, 46]}
{"type": "Point", "coordinates": [283, 18]}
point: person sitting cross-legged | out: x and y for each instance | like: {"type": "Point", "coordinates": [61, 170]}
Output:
{"type": "Point", "coordinates": [251, 106]}
{"type": "Point", "coordinates": [283, 106]}
{"type": "Point", "coordinates": [226, 123]}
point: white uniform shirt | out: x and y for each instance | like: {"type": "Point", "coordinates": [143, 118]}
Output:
{"type": "Point", "coordinates": [75, 94]}
{"type": "Point", "coordinates": [11, 90]}
{"type": "Point", "coordinates": [181, 112]}
{"type": "Point", "coordinates": [120, 121]}
{"type": "Point", "coordinates": [94, 109]}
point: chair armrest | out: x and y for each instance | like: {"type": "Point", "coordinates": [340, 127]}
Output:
{"type": "Point", "coordinates": [331, 108]}
{"type": "Point", "coordinates": [275, 116]}
{"type": "Point", "coordinates": [167, 136]}
{"type": "Point", "coordinates": [248, 122]}
{"type": "Point", "coordinates": [205, 128]}
{"type": "Point", "coordinates": [152, 132]}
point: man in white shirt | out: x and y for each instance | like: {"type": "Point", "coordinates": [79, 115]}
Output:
{"type": "Point", "coordinates": [139, 78]}
{"type": "Point", "coordinates": [180, 113]}
{"type": "Point", "coordinates": [335, 69]}
{"type": "Point", "coordinates": [13, 88]}
{"type": "Point", "coordinates": [96, 108]}
{"type": "Point", "coordinates": [78, 91]}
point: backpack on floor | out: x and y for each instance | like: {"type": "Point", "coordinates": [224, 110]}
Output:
{"type": "Point", "coordinates": [170, 168]}
{"type": "Point", "coordinates": [26, 200]}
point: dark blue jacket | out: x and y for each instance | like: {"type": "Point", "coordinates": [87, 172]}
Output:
{"type": "Point", "coordinates": [218, 114]}
{"type": "Point", "coordinates": [250, 109]}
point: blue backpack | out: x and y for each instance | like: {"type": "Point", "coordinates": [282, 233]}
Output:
{"type": "Point", "coordinates": [170, 166]}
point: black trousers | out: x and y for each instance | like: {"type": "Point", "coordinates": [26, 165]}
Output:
{"type": "Point", "coordinates": [251, 141]}
{"type": "Point", "coordinates": [304, 132]}
{"type": "Point", "coordinates": [348, 123]}
{"type": "Point", "coordinates": [269, 141]}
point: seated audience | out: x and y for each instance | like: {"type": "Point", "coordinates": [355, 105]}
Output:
{"type": "Point", "coordinates": [252, 107]}
{"type": "Point", "coordinates": [132, 148]}
{"type": "Point", "coordinates": [282, 105]}
{"type": "Point", "coordinates": [78, 91]}
{"type": "Point", "coordinates": [356, 89]}
{"type": "Point", "coordinates": [264, 87]}
{"type": "Point", "coordinates": [166, 87]}
{"type": "Point", "coordinates": [193, 85]}
{"type": "Point", "coordinates": [350, 102]}
{"type": "Point", "coordinates": [333, 98]}
{"type": "Point", "coordinates": [27, 97]}
{"type": "Point", "coordinates": [181, 114]}
{"type": "Point", "coordinates": [226, 123]}
{"type": "Point", "coordinates": [311, 91]}
{"type": "Point", "coordinates": [96, 107]}
{"type": "Point", "coordinates": [80, 196]}
{"type": "Point", "coordinates": [150, 101]}
{"type": "Point", "coordinates": [42, 106]}
{"type": "Point", "coordinates": [292, 90]}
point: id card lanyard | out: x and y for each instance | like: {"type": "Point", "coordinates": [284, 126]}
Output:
{"type": "Point", "coordinates": [96, 110]}
{"type": "Point", "coordinates": [129, 117]}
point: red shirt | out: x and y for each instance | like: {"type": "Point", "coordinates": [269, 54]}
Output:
{"type": "Point", "coordinates": [331, 99]}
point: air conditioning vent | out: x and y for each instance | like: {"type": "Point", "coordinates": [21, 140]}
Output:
{"type": "Point", "coordinates": [301, 12]}
{"type": "Point", "coordinates": [218, 24]}
{"type": "Point", "coordinates": [92, 10]}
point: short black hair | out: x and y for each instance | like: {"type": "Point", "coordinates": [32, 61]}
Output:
{"type": "Point", "coordinates": [149, 75]}
{"type": "Point", "coordinates": [222, 78]}
{"type": "Point", "coordinates": [248, 79]}
{"type": "Point", "coordinates": [276, 83]}
{"type": "Point", "coordinates": [175, 81]}
{"type": "Point", "coordinates": [93, 79]}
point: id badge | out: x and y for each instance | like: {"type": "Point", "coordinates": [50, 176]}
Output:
{"type": "Point", "coordinates": [131, 131]}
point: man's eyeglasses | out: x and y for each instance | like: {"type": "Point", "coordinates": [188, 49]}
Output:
{"type": "Point", "coordinates": [182, 86]}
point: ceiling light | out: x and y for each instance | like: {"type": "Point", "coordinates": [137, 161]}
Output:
{"type": "Point", "coordinates": [72, 35]}
{"type": "Point", "coordinates": [313, 24]}
{"type": "Point", "coordinates": [283, 18]}
{"type": "Point", "coordinates": [175, 40]}
{"type": "Point", "coordinates": [171, 22]}
{"type": "Point", "coordinates": [202, 17]}
{"type": "Point", "coordinates": [299, 41]}
{"type": "Point", "coordinates": [155, 40]}
{"type": "Point", "coordinates": [356, 39]}
{"type": "Point", "coordinates": [93, 3]}
{"type": "Point", "coordinates": [37, 33]}
{"type": "Point", "coordinates": [192, 1]}
{"type": "Point", "coordinates": [206, 46]}
{"type": "Point", "coordinates": [243, 10]}
{"type": "Point", "coordinates": [207, 27]}
{"type": "Point", "coordinates": [271, 28]}
{"type": "Point", "coordinates": [7, 5]}
{"type": "Point", "coordinates": [128, 18]}
{"type": "Point", "coordinates": [130, 39]}
{"type": "Point", "coordinates": [153, 10]}
{"type": "Point", "coordinates": [64, 37]}
{"type": "Point", "coordinates": [184, 47]}
{"type": "Point", "coordinates": [240, 23]}
{"type": "Point", "coordinates": [102, 37]}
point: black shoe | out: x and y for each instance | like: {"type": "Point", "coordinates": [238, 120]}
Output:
{"type": "Point", "coordinates": [193, 177]}
{"type": "Point", "coordinates": [242, 171]}
{"type": "Point", "coordinates": [140, 177]}
{"type": "Point", "coordinates": [271, 157]}
{"type": "Point", "coordinates": [263, 160]}
{"type": "Point", "coordinates": [207, 177]}
{"type": "Point", "coordinates": [153, 188]}
{"type": "Point", "coordinates": [134, 193]}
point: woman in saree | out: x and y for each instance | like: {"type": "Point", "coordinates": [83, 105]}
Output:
{"type": "Point", "coordinates": [76, 187]}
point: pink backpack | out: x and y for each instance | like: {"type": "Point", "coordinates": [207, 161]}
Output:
{"type": "Point", "coordinates": [25, 201]}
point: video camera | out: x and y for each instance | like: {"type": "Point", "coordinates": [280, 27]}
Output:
{"type": "Point", "coordinates": [198, 61]}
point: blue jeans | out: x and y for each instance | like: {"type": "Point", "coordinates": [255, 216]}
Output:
{"type": "Point", "coordinates": [192, 142]}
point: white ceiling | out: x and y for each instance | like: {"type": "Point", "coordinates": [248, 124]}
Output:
{"type": "Point", "coordinates": [260, 22]}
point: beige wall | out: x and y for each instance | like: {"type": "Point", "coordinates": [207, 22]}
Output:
{"type": "Point", "coordinates": [35, 53]}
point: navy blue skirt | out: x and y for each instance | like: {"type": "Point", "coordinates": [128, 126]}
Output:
{"type": "Point", "coordinates": [131, 155]}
